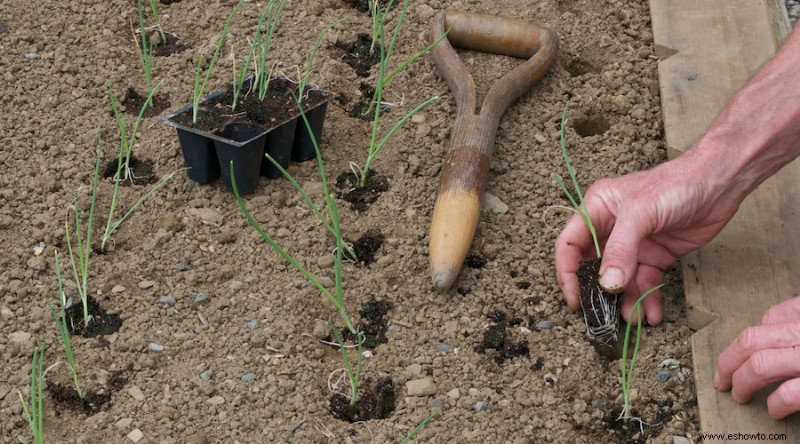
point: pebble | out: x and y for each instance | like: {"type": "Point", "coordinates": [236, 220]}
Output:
{"type": "Point", "coordinates": [494, 204]}
{"type": "Point", "coordinates": [32, 56]}
{"type": "Point", "coordinates": [123, 423]}
{"type": "Point", "coordinates": [421, 387]}
{"type": "Point", "coordinates": [327, 282]}
{"type": "Point", "coordinates": [414, 369]}
{"type": "Point", "coordinates": [165, 300]}
{"type": "Point", "coordinates": [252, 325]}
{"type": "Point", "coordinates": [249, 377]}
{"type": "Point", "coordinates": [207, 216]}
{"type": "Point", "coordinates": [206, 374]}
{"type": "Point", "coordinates": [216, 400]}
{"type": "Point", "coordinates": [118, 289]}
{"type": "Point", "coordinates": [182, 267]}
{"type": "Point", "coordinates": [135, 435]}
{"type": "Point", "coordinates": [663, 376]}
{"type": "Point", "coordinates": [19, 337]}
{"type": "Point", "coordinates": [325, 261]}
{"type": "Point", "coordinates": [155, 348]}
{"type": "Point", "coordinates": [681, 440]}
{"type": "Point", "coordinates": [545, 325]}
{"type": "Point", "coordinates": [474, 392]}
{"type": "Point", "coordinates": [321, 329]}
{"type": "Point", "coordinates": [197, 297]}
{"type": "Point", "coordinates": [670, 364]}
{"type": "Point", "coordinates": [480, 406]}
{"type": "Point", "coordinates": [136, 393]}
{"type": "Point", "coordinates": [444, 348]}
{"type": "Point", "coordinates": [144, 285]}
{"type": "Point", "coordinates": [454, 394]}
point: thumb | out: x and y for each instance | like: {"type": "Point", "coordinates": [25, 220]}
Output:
{"type": "Point", "coordinates": [620, 256]}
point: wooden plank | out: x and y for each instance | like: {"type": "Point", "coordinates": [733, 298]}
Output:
{"type": "Point", "coordinates": [712, 47]}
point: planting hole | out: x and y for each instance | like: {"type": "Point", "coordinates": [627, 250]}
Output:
{"type": "Point", "coordinates": [367, 245]}
{"type": "Point", "coordinates": [360, 198]}
{"type": "Point", "coordinates": [377, 402]}
{"type": "Point", "coordinates": [101, 323]}
{"type": "Point", "coordinates": [141, 171]}
{"type": "Point", "coordinates": [591, 126]}
{"type": "Point", "coordinates": [132, 103]}
{"type": "Point", "coordinates": [358, 56]}
{"type": "Point", "coordinates": [497, 342]}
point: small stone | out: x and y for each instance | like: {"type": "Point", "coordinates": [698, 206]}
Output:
{"type": "Point", "coordinates": [136, 393]}
{"type": "Point", "coordinates": [598, 404]}
{"type": "Point", "coordinates": [454, 394]}
{"type": "Point", "coordinates": [32, 56]}
{"type": "Point", "coordinates": [327, 282]}
{"type": "Point", "coordinates": [19, 337]}
{"type": "Point", "coordinates": [480, 406]}
{"type": "Point", "coordinates": [216, 400]}
{"type": "Point", "coordinates": [444, 348]}
{"type": "Point", "coordinates": [474, 392]}
{"type": "Point", "coordinates": [321, 329]}
{"type": "Point", "coordinates": [681, 440]}
{"type": "Point", "coordinates": [123, 423]}
{"type": "Point", "coordinates": [135, 435]}
{"type": "Point", "coordinates": [165, 300]}
{"type": "Point", "coordinates": [235, 285]}
{"type": "Point", "coordinates": [670, 364]}
{"type": "Point", "coordinates": [207, 216]}
{"type": "Point", "coordinates": [283, 232]}
{"type": "Point", "coordinates": [155, 348]}
{"type": "Point", "coordinates": [144, 285]}
{"type": "Point", "coordinates": [118, 289]}
{"type": "Point", "coordinates": [524, 330]}
{"type": "Point", "coordinates": [421, 387]}
{"type": "Point", "coordinates": [325, 261]}
{"type": "Point", "coordinates": [182, 267]}
{"type": "Point", "coordinates": [544, 325]}
{"type": "Point", "coordinates": [414, 369]}
{"type": "Point", "coordinates": [249, 377]}
{"type": "Point", "coordinates": [226, 237]}
{"type": "Point", "coordinates": [197, 297]}
{"type": "Point", "coordinates": [494, 204]}
{"type": "Point", "coordinates": [252, 325]}
{"type": "Point", "coordinates": [206, 374]}
{"type": "Point", "coordinates": [38, 263]}
{"type": "Point", "coordinates": [663, 376]}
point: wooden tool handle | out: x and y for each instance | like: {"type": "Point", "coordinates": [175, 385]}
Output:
{"type": "Point", "coordinates": [466, 167]}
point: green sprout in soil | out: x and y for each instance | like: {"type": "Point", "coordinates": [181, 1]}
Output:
{"type": "Point", "coordinates": [262, 42]}
{"type": "Point", "coordinates": [384, 76]}
{"type": "Point", "coordinates": [63, 328]}
{"type": "Point", "coordinates": [200, 82]}
{"type": "Point", "coordinates": [420, 426]}
{"type": "Point", "coordinates": [145, 50]}
{"type": "Point", "coordinates": [154, 8]}
{"type": "Point", "coordinates": [123, 169]}
{"type": "Point", "coordinates": [79, 255]}
{"type": "Point", "coordinates": [34, 411]}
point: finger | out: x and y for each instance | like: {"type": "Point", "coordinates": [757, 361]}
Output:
{"type": "Point", "coordinates": [764, 367]}
{"type": "Point", "coordinates": [787, 311]}
{"type": "Point", "coordinates": [647, 278]}
{"type": "Point", "coordinates": [571, 247]}
{"type": "Point", "coordinates": [750, 341]}
{"type": "Point", "coordinates": [785, 400]}
{"type": "Point", "coordinates": [620, 257]}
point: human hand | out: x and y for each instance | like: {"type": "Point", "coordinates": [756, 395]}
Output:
{"type": "Point", "coordinates": [644, 222]}
{"type": "Point", "coordinates": [764, 354]}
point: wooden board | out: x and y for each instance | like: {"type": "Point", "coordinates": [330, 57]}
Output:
{"type": "Point", "coordinates": [709, 49]}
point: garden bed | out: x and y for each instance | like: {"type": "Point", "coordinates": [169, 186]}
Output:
{"type": "Point", "coordinates": [219, 336]}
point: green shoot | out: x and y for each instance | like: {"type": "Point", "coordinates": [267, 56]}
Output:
{"type": "Point", "coordinates": [352, 374]}
{"type": "Point", "coordinates": [238, 79]}
{"type": "Point", "coordinates": [262, 43]}
{"type": "Point", "coordinates": [384, 76]}
{"type": "Point", "coordinates": [578, 204]}
{"type": "Point", "coordinates": [123, 161]}
{"type": "Point", "coordinates": [79, 256]}
{"type": "Point", "coordinates": [34, 412]}
{"type": "Point", "coordinates": [420, 426]}
{"type": "Point", "coordinates": [154, 8]}
{"type": "Point", "coordinates": [200, 86]}
{"type": "Point", "coordinates": [145, 51]}
{"type": "Point", "coordinates": [63, 329]}
{"type": "Point", "coordinates": [302, 81]}
{"type": "Point", "coordinates": [627, 367]}
{"type": "Point", "coordinates": [336, 299]}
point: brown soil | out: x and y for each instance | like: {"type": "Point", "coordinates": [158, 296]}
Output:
{"type": "Point", "coordinates": [132, 103]}
{"type": "Point", "coordinates": [220, 334]}
{"type": "Point", "coordinates": [601, 310]}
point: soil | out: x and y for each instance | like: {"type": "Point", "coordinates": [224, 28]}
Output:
{"type": "Point", "coordinates": [141, 171]}
{"type": "Point", "coordinates": [132, 103]}
{"type": "Point", "coordinates": [601, 310]}
{"type": "Point", "coordinates": [218, 341]}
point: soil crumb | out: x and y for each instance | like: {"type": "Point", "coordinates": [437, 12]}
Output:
{"type": "Point", "coordinates": [360, 55]}
{"type": "Point", "coordinates": [367, 245]}
{"type": "Point", "coordinates": [497, 342]}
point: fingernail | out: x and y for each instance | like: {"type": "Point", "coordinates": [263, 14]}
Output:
{"type": "Point", "coordinates": [612, 280]}
{"type": "Point", "coordinates": [715, 381]}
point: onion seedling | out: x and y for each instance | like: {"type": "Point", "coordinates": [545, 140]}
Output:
{"type": "Point", "coordinates": [384, 76]}
{"type": "Point", "coordinates": [79, 256]}
{"type": "Point", "coordinates": [154, 8]}
{"type": "Point", "coordinates": [419, 427]}
{"type": "Point", "coordinates": [200, 85]}
{"type": "Point", "coordinates": [63, 328]}
{"type": "Point", "coordinates": [145, 51]}
{"type": "Point", "coordinates": [262, 43]}
{"type": "Point", "coordinates": [34, 411]}
{"type": "Point", "coordinates": [123, 167]}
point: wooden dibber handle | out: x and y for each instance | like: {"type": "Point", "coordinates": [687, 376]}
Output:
{"type": "Point", "coordinates": [466, 166]}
